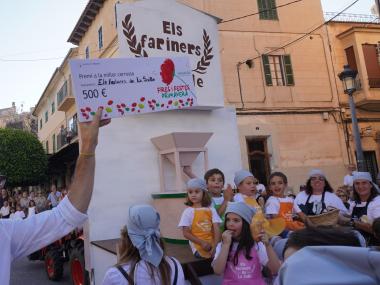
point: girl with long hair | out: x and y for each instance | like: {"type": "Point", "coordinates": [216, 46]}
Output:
{"type": "Point", "coordinates": [200, 222]}
{"type": "Point", "coordinates": [140, 253]}
{"type": "Point", "coordinates": [239, 257]}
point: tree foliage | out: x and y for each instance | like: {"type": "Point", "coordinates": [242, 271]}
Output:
{"type": "Point", "coordinates": [22, 158]}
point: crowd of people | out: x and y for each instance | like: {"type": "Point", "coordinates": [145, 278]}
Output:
{"type": "Point", "coordinates": [24, 204]}
{"type": "Point", "coordinates": [225, 226]}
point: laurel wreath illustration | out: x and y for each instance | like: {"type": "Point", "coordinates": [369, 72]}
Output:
{"type": "Point", "coordinates": [138, 51]}
{"type": "Point", "coordinates": [205, 60]}
{"type": "Point", "coordinates": [129, 33]}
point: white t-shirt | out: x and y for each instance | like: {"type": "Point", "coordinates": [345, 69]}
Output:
{"type": "Point", "coordinates": [19, 214]}
{"type": "Point", "coordinates": [259, 246]}
{"type": "Point", "coordinates": [5, 211]}
{"type": "Point", "coordinates": [217, 200]}
{"type": "Point", "coordinates": [348, 180]}
{"type": "Point", "coordinates": [373, 210]}
{"type": "Point", "coordinates": [272, 206]}
{"type": "Point", "coordinates": [331, 200]}
{"type": "Point", "coordinates": [240, 197]}
{"type": "Point", "coordinates": [188, 216]}
{"type": "Point", "coordinates": [142, 274]}
{"type": "Point", "coordinates": [31, 211]}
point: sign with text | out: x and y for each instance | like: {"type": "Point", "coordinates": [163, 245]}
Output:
{"type": "Point", "coordinates": [165, 28]}
{"type": "Point", "coordinates": [125, 86]}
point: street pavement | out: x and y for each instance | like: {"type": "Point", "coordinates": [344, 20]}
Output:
{"type": "Point", "coordinates": [28, 272]}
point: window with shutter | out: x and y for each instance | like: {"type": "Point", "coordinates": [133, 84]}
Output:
{"type": "Point", "coordinates": [278, 70]}
{"type": "Point", "coordinates": [288, 70]}
{"type": "Point", "coordinates": [267, 9]}
{"type": "Point", "coordinates": [268, 76]}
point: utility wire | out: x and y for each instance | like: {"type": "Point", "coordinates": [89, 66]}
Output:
{"type": "Point", "coordinates": [304, 35]}
{"type": "Point", "coordinates": [262, 11]}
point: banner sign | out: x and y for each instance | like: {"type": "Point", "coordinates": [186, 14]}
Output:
{"type": "Point", "coordinates": [125, 86]}
{"type": "Point", "coordinates": [165, 28]}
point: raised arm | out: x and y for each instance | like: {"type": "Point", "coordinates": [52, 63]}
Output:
{"type": "Point", "coordinates": [80, 191]}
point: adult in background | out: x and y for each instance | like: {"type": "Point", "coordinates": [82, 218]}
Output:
{"type": "Point", "coordinates": [348, 179]}
{"type": "Point", "coordinates": [54, 196]}
{"type": "Point", "coordinates": [365, 207]}
{"type": "Point", "coordinates": [41, 202]}
{"type": "Point", "coordinates": [24, 200]}
{"type": "Point", "coordinates": [4, 195]}
{"type": "Point", "coordinates": [317, 197]}
{"type": "Point", "coordinates": [18, 238]}
{"type": "Point", "coordinates": [141, 256]}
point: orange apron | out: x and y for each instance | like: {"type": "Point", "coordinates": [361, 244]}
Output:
{"type": "Point", "coordinates": [202, 229]}
{"type": "Point", "coordinates": [286, 209]}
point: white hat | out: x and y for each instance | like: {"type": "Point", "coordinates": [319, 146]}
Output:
{"type": "Point", "coordinates": [315, 172]}
{"type": "Point", "coordinates": [242, 209]}
{"type": "Point", "coordinates": [196, 183]}
{"type": "Point", "coordinates": [241, 175]}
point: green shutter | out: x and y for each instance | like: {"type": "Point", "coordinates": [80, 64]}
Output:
{"type": "Point", "coordinates": [273, 13]}
{"type": "Point", "coordinates": [268, 76]}
{"type": "Point", "coordinates": [260, 4]}
{"type": "Point", "coordinates": [288, 70]}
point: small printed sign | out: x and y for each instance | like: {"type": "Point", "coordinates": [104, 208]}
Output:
{"type": "Point", "coordinates": [126, 86]}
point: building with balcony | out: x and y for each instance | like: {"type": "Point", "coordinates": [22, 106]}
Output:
{"type": "Point", "coordinates": [355, 40]}
{"type": "Point", "coordinates": [285, 93]}
{"type": "Point", "coordinates": [57, 123]}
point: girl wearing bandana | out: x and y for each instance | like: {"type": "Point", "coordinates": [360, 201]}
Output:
{"type": "Point", "coordinates": [141, 258]}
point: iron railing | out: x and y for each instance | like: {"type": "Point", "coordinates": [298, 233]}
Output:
{"type": "Point", "coordinates": [355, 18]}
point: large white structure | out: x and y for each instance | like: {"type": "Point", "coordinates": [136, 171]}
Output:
{"type": "Point", "coordinates": [127, 169]}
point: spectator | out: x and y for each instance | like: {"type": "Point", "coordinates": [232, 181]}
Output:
{"type": "Point", "coordinates": [13, 214]}
{"type": "Point", "coordinates": [343, 193]}
{"type": "Point", "coordinates": [4, 196]}
{"type": "Point", "coordinates": [5, 210]}
{"type": "Point", "coordinates": [19, 214]}
{"type": "Point", "coordinates": [260, 188]}
{"type": "Point", "coordinates": [54, 196]}
{"type": "Point", "coordinates": [41, 202]}
{"type": "Point", "coordinates": [348, 179]}
{"type": "Point", "coordinates": [24, 200]}
{"type": "Point", "coordinates": [31, 209]}
{"type": "Point", "coordinates": [31, 195]}
{"type": "Point", "coordinates": [12, 202]}
{"type": "Point", "coordinates": [20, 238]}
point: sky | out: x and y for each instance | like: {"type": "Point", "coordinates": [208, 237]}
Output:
{"type": "Point", "coordinates": [34, 43]}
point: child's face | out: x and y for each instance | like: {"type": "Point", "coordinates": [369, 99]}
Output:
{"type": "Point", "coordinates": [234, 223]}
{"type": "Point", "coordinates": [247, 187]}
{"type": "Point", "coordinates": [215, 184]}
{"type": "Point", "coordinates": [5, 203]}
{"type": "Point", "coordinates": [195, 195]}
{"type": "Point", "coordinates": [277, 186]}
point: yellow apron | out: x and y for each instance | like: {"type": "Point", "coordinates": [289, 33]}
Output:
{"type": "Point", "coordinates": [253, 203]}
{"type": "Point", "coordinates": [202, 229]}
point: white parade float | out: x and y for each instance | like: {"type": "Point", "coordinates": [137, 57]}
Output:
{"type": "Point", "coordinates": [140, 157]}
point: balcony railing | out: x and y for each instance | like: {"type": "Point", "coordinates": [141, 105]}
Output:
{"type": "Point", "coordinates": [352, 18]}
{"type": "Point", "coordinates": [374, 82]}
{"type": "Point", "coordinates": [66, 135]}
